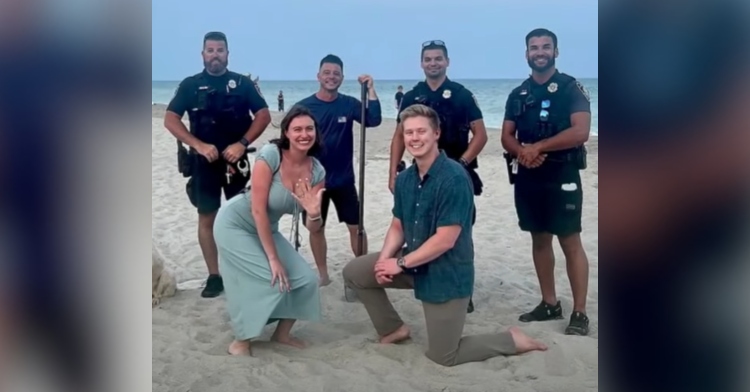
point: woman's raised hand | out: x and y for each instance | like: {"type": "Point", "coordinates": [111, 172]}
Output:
{"type": "Point", "coordinates": [307, 197]}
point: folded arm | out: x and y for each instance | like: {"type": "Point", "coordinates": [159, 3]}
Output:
{"type": "Point", "coordinates": [442, 241]}
{"type": "Point", "coordinates": [574, 136]}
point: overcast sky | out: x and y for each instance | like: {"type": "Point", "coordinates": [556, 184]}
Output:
{"type": "Point", "coordinates": [285, 39]}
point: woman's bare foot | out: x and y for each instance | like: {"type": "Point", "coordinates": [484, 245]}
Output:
{"type": "Point", "coordinates": [399, 335]}
{"type": "Point", "coordinates": [240, 348]}
{"type": "Point", "coordinates": [324, 280]}
{"type": "Point", "coordinates": [289, 341]}
{"type": "Point", "coordinates": [524, 343]}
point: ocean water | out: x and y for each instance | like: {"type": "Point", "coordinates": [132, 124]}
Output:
{"type": "Point", "coordinates": [490, 93]}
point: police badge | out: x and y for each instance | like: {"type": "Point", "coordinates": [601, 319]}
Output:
{"type": "Point", "coordinates": [584, 91]}
{"type": "Point", "coordinates": [232, 83]}
{"type": "Point", "coordinates": [552, 87]}
{"type": "Point", "coordinates": [446, 94]}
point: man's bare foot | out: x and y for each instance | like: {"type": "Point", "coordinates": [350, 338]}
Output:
{"type": "Point", "coordinates": [240, 348]}
{"type": "Point", "coordinates": [524, 343]}
{"type": "Point", "coordinates": [289, 341]}
{"type": "Point", "coordinates": [324, 280]}
{"type": "Point", "coordinates": [399, 335]}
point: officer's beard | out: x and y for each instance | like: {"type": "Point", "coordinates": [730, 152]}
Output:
{"type": "Point", "coordinates": [215, 66]}
{"type": "Point", "coordinates": [550, 63]}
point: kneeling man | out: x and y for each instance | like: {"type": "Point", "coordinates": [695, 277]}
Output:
{"type": "Point", "coordinates": [432, 212]}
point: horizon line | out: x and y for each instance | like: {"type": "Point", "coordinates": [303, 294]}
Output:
{"type": "Point", "coordinates": [378, 80]}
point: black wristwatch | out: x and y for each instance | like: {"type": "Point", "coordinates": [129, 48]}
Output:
{"type": "Point", "coordinates": [244, 142]}
{"type": "Point", "coordinates": [401, 263]}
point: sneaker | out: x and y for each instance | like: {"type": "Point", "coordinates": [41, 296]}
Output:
{"type": "Point", "coordinates": [543, 312]}
{"type": "Point", "coordinates": [214, 287]}
{"type": "Point", "coordinates": [579, 324]}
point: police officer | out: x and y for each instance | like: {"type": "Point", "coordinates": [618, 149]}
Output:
{"type": "Point", "coordinates": [218, 103]}
{"type": "Point", "coordinates": [459, 116]}
{"type": "Point", "coordinates": [547, 121]}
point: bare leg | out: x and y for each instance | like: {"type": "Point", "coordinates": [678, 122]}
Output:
{"type": "Point", "coordinates": [207, 243]}
{"type": "Point", "coordinates": [240, 348]}
{"type": "Point", "coordinates": [283, 334]}
{"type": "Point", "coordinates": [354, 240]}
{"type": "Point", "coordinates": [320, 254]}
{"type": "Point", "coordinates": [544, 262]}
{"type": "Point", "coordinates": [578, 270]}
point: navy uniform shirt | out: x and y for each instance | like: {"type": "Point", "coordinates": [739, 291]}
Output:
{"type": "Point", "coordinates": [467, 109]}
{"type": "Point", "coordinates": [575, 99]}
{"type": "Point", "coordinates": [335, 120]}
{"type": "Point", "coordinates": [444, 197]}
{"type": "Point", "coordinates": [185, 99]}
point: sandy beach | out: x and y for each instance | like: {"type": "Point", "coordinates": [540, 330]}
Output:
{"type": "Point", "coordinates": [190, 334]}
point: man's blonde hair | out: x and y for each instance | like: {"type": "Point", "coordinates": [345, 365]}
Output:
{"type": "Point", "coordinates": [421, 111]}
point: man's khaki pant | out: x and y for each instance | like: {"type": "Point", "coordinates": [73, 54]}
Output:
{"type": "Point", "coordinates": [445, 321]}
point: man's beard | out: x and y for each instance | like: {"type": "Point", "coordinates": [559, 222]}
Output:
{"type": "Point", "coordinates": [550, 63]}
{"type": "Point", "coordinates": [215, 68]}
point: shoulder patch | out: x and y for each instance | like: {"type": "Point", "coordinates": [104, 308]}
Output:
{"type": "Point", "coordinates": [583, 91]}
{"type": "Point", "coordinates": [257, 88]}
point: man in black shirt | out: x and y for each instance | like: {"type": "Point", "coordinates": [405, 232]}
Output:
{"type": "Point", "coordinates": [219, 103]}
{"type": "Point", "coordinates": [462, 131]}
{"type": "Point", "coordinates": [399, 96]}
{"type": "Point", "coordinates": [547, 121]}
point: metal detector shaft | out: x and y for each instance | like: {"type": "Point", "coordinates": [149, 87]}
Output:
{"type": "Point", "coordinates": [362, 140]}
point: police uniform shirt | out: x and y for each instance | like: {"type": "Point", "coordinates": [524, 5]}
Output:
{"type": "Point", "coordinates": [185, 99]}
{"type": "Point", "coordinates": [574, 94]}
{"type": "Point", "coordinates": [464, 100]}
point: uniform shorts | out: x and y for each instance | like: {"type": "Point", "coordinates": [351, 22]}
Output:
{"type": "Point", "coordinates": [550, 206]}
{"type": "Point", "coordinates": [346, 201]}
{"type": "Point", "coordinates": [207, 182]}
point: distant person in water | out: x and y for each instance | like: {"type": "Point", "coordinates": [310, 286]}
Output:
{"type": "Point", "coordinates": [335, 114]}
{"type": "Point", "coordinates": [281, 101]}
{"type": "Point", "coordinates": [399, 96]}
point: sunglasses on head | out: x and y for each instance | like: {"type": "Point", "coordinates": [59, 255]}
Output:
{"type": "Point", "coordinates": [435, 42]}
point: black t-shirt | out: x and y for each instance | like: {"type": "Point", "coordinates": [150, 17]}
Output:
{"type": "Point", "coordinates": [185, 100]}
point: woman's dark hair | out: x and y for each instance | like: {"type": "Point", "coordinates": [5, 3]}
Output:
{"type": "Point", "coordinates": [283, 140]}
